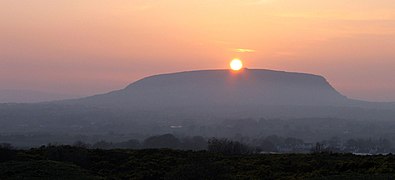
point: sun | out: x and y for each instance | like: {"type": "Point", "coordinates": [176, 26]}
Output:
{"type": "Point", "coordinates": [236, 64]}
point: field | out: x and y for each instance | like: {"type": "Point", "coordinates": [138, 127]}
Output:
{"type": "Point", "coordinates": [68, 162]}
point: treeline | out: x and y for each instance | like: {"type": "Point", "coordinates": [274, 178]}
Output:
{"type": "Point", "coordinates": [245, 145]}
{"type": "Point", "coordinates": [236, 145]}
{"type": "Point", "coordinates": [293, 145]}
{"type": "Point", "coordinates": [154, 142]}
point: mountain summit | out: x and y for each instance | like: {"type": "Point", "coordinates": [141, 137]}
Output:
{"type": "Point", "coordinates": [222, 88]}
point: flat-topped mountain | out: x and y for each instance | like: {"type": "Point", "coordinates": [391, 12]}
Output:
{"type": "Point", "coordinates": [222, 87]}
{"type": "Point", "coordinates": [200, 98]}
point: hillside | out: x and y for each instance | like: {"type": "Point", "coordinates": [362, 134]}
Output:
{"type": "Point", "coordinates": [30, 96]}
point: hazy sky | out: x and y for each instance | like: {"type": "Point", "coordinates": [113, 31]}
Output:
{"type": "Point", "coordinates": [91, 46]}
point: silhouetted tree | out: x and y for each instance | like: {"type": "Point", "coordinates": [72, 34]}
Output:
{"type": "Point", "coordinates": [103, 145]}
{"type": "Point", "coordinates": [163, 141]}
{"type": "Point", "coordinates": [194, 143]}
{"type": "Point", "coordinates": [6, 152]}
{"type": "Point", "coordinates": [228, 147]}
{"type": "Point", "coordinates": [81, 144]}
{"type": "Point", "coordinates": [268, 146]}
{"type": "Point", "coordinates": [131, 144]}
{"type": "Point", "coordinates": [318, 148]}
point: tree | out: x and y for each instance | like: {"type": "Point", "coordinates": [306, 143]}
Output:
{"type": "Point", "coordinates": [267, 146]}
{"type": "Point", "coordinates": [102, 145]}
{"type": "Point", "coordinates": [162, 141]}
{"type": "Point", "coordinates": [131, 144]}
{"type": "Point", "coordinates": [226, 146]}
{"type": "Point", "coordinates": [6, 152]}
{"type": "Point", "coordinates": [194, 143]}
{"type": "Point", "coordinates": [81, 144]}
{"type": "Point", "coordinates": [318, 148]}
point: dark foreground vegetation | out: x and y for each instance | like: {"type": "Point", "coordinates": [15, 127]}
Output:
{"type": "Point", "coordinates": [70, 162]}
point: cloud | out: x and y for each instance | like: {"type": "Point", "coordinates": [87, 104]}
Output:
{"type": "Point", "coordinates": [244, 50]}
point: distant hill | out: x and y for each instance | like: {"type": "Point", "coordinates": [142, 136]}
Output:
{"type": "Point", "coordinates": [29, 96]}
{"type": "Point", "coordinates": [224, 93]}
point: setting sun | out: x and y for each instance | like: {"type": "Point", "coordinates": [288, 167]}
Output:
{"type": "Point", "coordinates": [236, 64]}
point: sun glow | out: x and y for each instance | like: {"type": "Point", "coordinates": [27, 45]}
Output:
{"type": "Point", "coordinates": [236, 64]}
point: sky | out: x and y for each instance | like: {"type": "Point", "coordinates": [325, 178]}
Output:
{"type": "Point", "coordinates": [84, 47]}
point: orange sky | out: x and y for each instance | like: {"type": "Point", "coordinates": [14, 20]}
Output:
{"type": "Point", "coordinates": [90, 46]}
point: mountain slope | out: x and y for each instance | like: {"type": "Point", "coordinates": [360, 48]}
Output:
{"type": "Point", "coordinates": [29, 96]}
